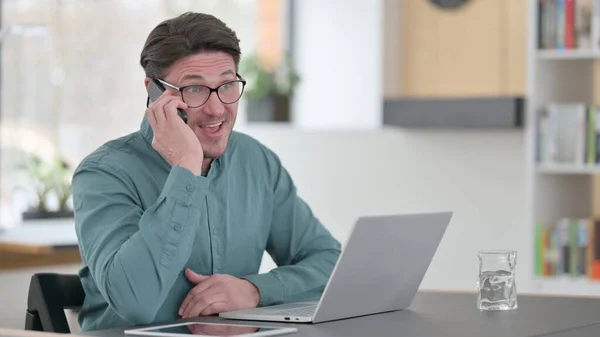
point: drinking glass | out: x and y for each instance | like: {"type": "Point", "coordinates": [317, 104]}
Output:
{"type": "Point", "coordinates": [496, 285]}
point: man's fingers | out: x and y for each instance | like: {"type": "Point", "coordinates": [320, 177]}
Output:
{"type": "Point", "coordinates": [163, 98]}
{"type": "Point", "coordinates": [171, 108]}
{"type": "Point", "coordinates": [203, 301]}
{"type": "Point", "coordinates": [160, 107]}
{"type": "Point", "coordinates": [153, 108]}
{"type": "Point", "coordinates": [193, 295]}
{"type": "Point", "coordinates": [196, 279]}
{"type": "Point", "coordinates": [214, 308]}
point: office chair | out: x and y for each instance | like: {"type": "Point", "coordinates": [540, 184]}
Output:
{"type": "Point", "coordinates": [49, 295]}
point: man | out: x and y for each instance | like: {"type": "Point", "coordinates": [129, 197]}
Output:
{"type": "Point", "coordinates": [173, 220]}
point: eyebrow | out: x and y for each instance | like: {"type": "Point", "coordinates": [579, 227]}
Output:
{"type": "Point", "coordinates": [199, 77]}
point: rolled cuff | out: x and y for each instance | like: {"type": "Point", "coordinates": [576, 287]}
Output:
{"type": "Point", "coordinates": [269, 288]}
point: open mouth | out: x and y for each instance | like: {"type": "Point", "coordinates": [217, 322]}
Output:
{"type": "Point", "coordinates": [212, 129]}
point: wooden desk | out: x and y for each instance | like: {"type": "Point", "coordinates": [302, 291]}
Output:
{"type": "Point", "coordinates": [39, 243]}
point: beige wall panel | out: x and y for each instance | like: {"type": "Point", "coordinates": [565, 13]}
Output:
{"type": "Point", "coordinates": [477, 50]}
{"type": "Point", "coordinates": [517, 46]}
{"type": "Point", "coordinates": [453, 53]}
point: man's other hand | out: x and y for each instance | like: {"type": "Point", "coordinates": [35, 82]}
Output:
{"type": "Point", "coordinates": [217, 293]}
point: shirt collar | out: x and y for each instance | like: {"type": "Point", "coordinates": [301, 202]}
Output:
{"type": "Point", "coordinates": [146, 130]}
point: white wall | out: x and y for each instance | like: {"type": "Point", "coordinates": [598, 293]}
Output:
{"type": "Point", "coordinates": [337, 47]}
{"type": "Point", "coordinates": [477, 174]}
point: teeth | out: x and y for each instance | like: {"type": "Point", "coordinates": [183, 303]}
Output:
{"type": "Point", "coordinates": [212, 125]}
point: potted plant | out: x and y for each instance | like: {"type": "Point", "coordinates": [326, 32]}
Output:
{"type": "Point", "coordinates": [49, 179]}
{"type": "Point", "coordinates": [269, 90]}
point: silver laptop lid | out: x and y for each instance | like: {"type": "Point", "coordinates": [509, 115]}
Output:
{"type": "Point", "coordinates": [382, 264]}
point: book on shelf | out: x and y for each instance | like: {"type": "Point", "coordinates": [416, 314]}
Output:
{"type": "Point", "coordinates": [568, 24]}
{"type": "Point", "coordinates": [568, 246]}
{"type": "Point", "coordinates": [568, 133]}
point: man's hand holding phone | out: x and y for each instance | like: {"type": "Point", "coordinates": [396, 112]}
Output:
{"type": "Point", "coordinates": [173, 139]}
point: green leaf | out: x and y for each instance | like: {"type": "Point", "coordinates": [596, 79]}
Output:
{"type": "Point", "coordinates": [261, 83]}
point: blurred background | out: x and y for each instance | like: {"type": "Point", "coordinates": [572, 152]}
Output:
{"type": "Point", "coordinates": [482, 107]}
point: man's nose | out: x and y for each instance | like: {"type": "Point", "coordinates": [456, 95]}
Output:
{"type": "Point", "coordinates": [214, 106]}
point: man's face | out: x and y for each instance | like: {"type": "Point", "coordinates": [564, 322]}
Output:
{"type": "Point", "coordinates": [212, 122]}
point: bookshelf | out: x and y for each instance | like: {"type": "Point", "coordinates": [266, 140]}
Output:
{"type": "Point", "coordinates": [563, 80]}
{"type": "Point", "coordinates": [567, 169]}
{"type": "Point", "coordinates": [566, 285]}
{"type": "Point", "coordinates": [567, 54]}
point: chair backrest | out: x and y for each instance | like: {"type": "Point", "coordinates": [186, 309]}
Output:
{"type": "Point", "coordinates": [49, 295]}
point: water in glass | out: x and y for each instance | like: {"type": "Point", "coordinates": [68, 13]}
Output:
{"type": "Point", "coordinates": [496, 285]}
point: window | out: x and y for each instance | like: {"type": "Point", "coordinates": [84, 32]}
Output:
{"type": "Point", "coordinates": [71, 78]}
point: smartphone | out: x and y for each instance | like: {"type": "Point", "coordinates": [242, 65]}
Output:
{"type": "Point", "coordinates": [155, 89]}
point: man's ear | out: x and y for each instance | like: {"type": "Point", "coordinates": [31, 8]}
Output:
{"type": "Point", "coordinates": [147, 82]}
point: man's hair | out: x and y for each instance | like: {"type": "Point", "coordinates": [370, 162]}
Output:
{"type": "Point", "coordinates": [183, 36]}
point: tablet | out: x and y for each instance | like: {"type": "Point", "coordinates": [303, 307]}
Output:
{"type": "Point", "coordinates": [211, 329]}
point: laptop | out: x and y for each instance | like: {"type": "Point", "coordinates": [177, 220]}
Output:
{"type": "Point", "coordinates": [380, 269]}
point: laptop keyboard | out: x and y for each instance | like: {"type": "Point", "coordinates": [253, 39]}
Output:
{"type": "Point", "coordinates": [301, 311]}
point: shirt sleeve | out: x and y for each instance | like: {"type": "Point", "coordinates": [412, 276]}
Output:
{"type": "Point", "coordinates": [135, 255]}
{"type": "Point", "coordinates": [303, 249]}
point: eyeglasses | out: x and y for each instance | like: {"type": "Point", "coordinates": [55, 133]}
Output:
{"type": "Point", "coordinates": [197, 95]}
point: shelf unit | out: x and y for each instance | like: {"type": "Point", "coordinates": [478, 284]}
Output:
{"type": "Point", "coordinates": [566, 285]}
{"type": "Point", "coordinates": [556, 191]}
{"type": "Point", "coordinates": [567, 54]}
{"type": "Point", "coordinates": [567, 169]}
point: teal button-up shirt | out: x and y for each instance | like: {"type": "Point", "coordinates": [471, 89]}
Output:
{"type": "Point", "coordinates": [141, 222]}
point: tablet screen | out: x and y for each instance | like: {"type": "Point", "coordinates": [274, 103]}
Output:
{"type": "Point", "coordinates": [208, 329]}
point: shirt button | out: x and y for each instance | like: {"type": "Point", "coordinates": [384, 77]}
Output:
{"type": "Point", "coordinates": [189, 188]}
{"type": "Point", "coordinates": [215, 231]}
{"type": "Point", "coordinates": [177, 227]}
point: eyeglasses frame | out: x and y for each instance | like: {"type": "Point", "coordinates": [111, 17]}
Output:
{"type": "Point", "coordinates": [211, 90]}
